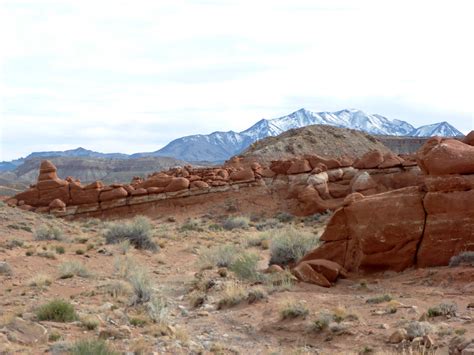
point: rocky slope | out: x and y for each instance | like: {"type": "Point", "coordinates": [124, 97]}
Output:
{"type": "Point", "coordinates": [90, 169]}
{"type": "Point", "coordinates": [326, 141]}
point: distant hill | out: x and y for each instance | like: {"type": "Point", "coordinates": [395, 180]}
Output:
{"type": "Point", "coordinates": [219, 146]}
{"type": "Point", "coordinates": [89, 169]}
{"type": "Point", "coordinates": [323, 140]}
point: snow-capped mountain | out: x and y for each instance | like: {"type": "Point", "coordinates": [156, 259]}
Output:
{"type": "Point", "coordinates": [219, 146]}
{"type": "Point", "coordinates": [443, 129]}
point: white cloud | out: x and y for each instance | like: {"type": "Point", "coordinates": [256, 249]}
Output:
{"type": "Point", "coordinates": [92, 73]}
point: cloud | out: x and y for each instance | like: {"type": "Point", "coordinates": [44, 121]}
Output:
{"type": "Point", "coordinates": [122, 76]}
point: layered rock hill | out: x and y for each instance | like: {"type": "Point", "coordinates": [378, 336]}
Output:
{"type": "Point", "coordinates": [417, 226]}
{"type": "Point", "coordinates": [302, 186]}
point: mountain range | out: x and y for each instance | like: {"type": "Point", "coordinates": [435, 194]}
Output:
{"type": "Point", "coordinates": [219, 146]}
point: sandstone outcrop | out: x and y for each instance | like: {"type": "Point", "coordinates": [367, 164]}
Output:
{"type": "Point", "coordinates": [418, 226]}
{"type": "Point", "coordinates": [307, 185]}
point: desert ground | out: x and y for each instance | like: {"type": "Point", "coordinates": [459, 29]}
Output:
{"type": "Point", "coordinates": [201, 286]}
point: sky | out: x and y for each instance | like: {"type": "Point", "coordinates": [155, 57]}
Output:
{"type": "Point", "coordinates": [130, 76]}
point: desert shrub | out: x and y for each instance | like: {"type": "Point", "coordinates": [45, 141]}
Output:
{"type": "Point", "coordinates": [138, 232]}
{"type": "Point", "coordinates": [220, 256]}
{"type": "Point", "coordinates": [14, 243]}
{"type": "Point", "coordinates": [443, 309]}
{"type": "Point", "coordinates": [284, 217]}
{"type": "Point", "coordinates": [124, 246]}
{"type": "Point", "coordinates": [245, 266]}
{"type": "Point", "coordinates": [256, 294]}
{"type": "Point", "coordinates": [60, 249]}
{"type": "Point", "coordinates": [124, 266]}
{"type": "Point", "coordinates": [5, 268]}
{"type": "Point", "coordinates": [141, 285]}
{"type": "Point", "coordinates": [89, 347]}
{"type": "Point", "coordinates": [157, 310]}
{"type": "Point", "coordinates": [90, 323]}
{"type": "Point", "coordinates": [379, 299]}
{"type": "Point", "coordinates": [271, 223]}
{"type": "Point", "coordinates": [40, 280]}
{"type": "Point", "coordinates": [232, 223]}
{"type": "Point", "coordinates": [137, 322]}
{"type": "Point", "coordinates": [57, 311]}
{"type": "Point", "coordinates": [293, 309]}
{"type": "Point", "coordinates": [117, 288]}
{"type": "Point", "coordinates": [322, 322]}
{"type": "Point", "coordinates": [417, 329]}
{"type": "Point", "coordinates": [70, 269]}
{"type": "Point", "coordinates": [257, 240]}
{"type": "Point", "coordinates": [289, 245]}
{"type": "Point", "coordinates": [232, 295]}
{"type": "Point", "coordinates": [45, 232]}
{"type": "Point", "coordinates": [279, 281]}
{"type": "Point", "coordinates": [47, 255]}
{"type": "Point", "coordinates": [80, 252]}
{"type": "Point", "coordinates": [191, 225]}
{"type": "Point", "coordinates": [465, 258]}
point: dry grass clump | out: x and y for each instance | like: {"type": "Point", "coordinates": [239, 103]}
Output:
{"type": "Point", "coordinates": [138, 232]}
{"type": "Point", "coordinates": [289, 245]}
{"type": "Point", "coordinates": [379, 299]}
{"type": "Point", "coordinates": [40, 281]}
{"type": "Point", "coordinates": [232, 223]}
{"type": "Point", "coordinates": [90, 323]}
{"type": "Point", "coordinates": [279, 281]}
{"type": "Point", "coordinates": [417, 329]}
{"type": "Point", "coordinates": [443, 309]}
{"type": "Point", "coordinates": [293, 309]}
{"type": "Point", "coordinates": [232, 295]}
{"type": "Point", "coordinates": [191, 225]}
{"type": "Point", "coordinates": [157, 309]}
{"type": "Point", "coordinates": [124, 266]}
{"type": "Point", "coordinates": [70, 269]}
{"type": "Point", "coordinates": [88, 347]}
{"type": "Point", "coordinates": [45, 232]}
{"type": "Point", "coordinates": [220, 256]}
{"type": "Point", "coordinates": [117, 288]}
{"type": "Point", "coordinates": [141, 285]}
{"type": "Point", "coordinates": [464, 258]}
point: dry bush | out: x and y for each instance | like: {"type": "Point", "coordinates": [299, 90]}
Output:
{"type": "Point", "coordinates": [45, 232]}
{"type": "Point", "coordinates": [289, 245]}
{"type": "Point", "coordinates": [232, 223]}
{"type": "Point", "coordinates": [464, 258]}
{"type": "Point", "coordinates": [232, 295]}
{"type": "Point", "coordinates": [70, 269]}
{"type": "Point", "coordinates": [293, 309]}
{"type": "Point", "coordinates": [40, 281]}
{"type": "Point", "coordinates": [245, 266]}
{"type": "Point", "coordinates": [138, 232]}
{"type": "Point", "coordinates": [220, 256]}
{"type": "Point", "coordinates": [57, 311]}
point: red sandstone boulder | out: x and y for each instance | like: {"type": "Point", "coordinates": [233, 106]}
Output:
{"type": "Point", "coordinates": [177, 184]}
{"type": "Point", "coordinates": [30, 196]}
{"type": "Point", "coordinates": [299, 166]}
{"type": "Point", "coordinates": [314, 160]}
{"type": "Point", "coordinates": [338, 190]}
{"type": "Point", "coordinates": [155, 190]}
{"type": "Point", "coordinates": [363, 182]}
{"type": "Point", "coordinates": [369, 160]}
{"type": "Point", "coordinates": [446, 156]}
{"type": "Point", "coordinates": [84, 195]}
{"type": "Point", "coordinates": [319, 168]}
{"type": "Point", "coordinates": [158, 180]}
{"type": "Point", "coordinates": [447, 183]}
{"type": "Point", "coordinates": [199, 185]}
{"type": "Point", "coordinates": [449, 227]}
{"type": "Point", "coordinates": [329, 269]}
{"type": "Point", "coordinates": [353, 197]}
{"type": "Point", "coordinates": [222, 173]}
{"type": "Point", "coordinates": [242, 175]}
{"type": "Point", "coordinates": [57, 203]}
{"type": "Point", "coordinates": [139, 192]}
{"type": "Point", "coordinates": [305, 273]}
{"type": "Point", "coordinates": [113, 194]}
{"type": "Point", "coordinates": [280, 166]}
{"type": "Point", "coordinates": [469, 139]}
{"type": "Point", "coordinates": [390, 160]}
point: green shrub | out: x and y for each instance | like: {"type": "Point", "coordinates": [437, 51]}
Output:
{"type": "Point", "coordinates": [91, 347]}
{"type": "Point", "coordinates": [443, 309]}
{"type": "Point", "coordinates": [232, 223]}
{"type": "Point", "coordinates": [289, 245]}
{"type": "Point", "coordinates": [245, 266]}
{"type": "Point", "coordinates": [70, 269]}
{"type": "Point", "coordinates": [45, 232]}
{"type": "Point", "coordinates": [322, 323]}
{"type": "Point", "coordinates": [465, 258]}
{"type": "Point", "coordinates": [90, 323]}
{"type": "Point", "coordinates": [57, 311]}
{"type": "Point", "coordinates": [271, 223]}
{"type": "Point", "coordinates": [60, 249]}
{"type": "Point", "coordinates": [256, 294]}
{"type": "Point", "coordinates": [138, 232]}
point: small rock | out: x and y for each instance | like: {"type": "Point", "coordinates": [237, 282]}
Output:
{"type": "Point", "coordinates": [5, 269]}
{"type": "Point", "coordinates": [203, 314]}
{"type": "Point", "coordinates": [384, 326]}
{"type": "Point", "coordinates": [107, 306]}
{"type": "Point", "coordinates": [398, 336]}
{"type": "Point", "coordinates": [26, 332]}
{"type": "Point", "coordinates": [417, 342]}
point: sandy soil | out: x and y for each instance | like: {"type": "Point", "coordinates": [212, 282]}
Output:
{"type": "Point", "coordinates": [192, 322]}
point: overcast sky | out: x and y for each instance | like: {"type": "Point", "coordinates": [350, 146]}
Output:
{"type": "Point", "coordinates": [129, 76]}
